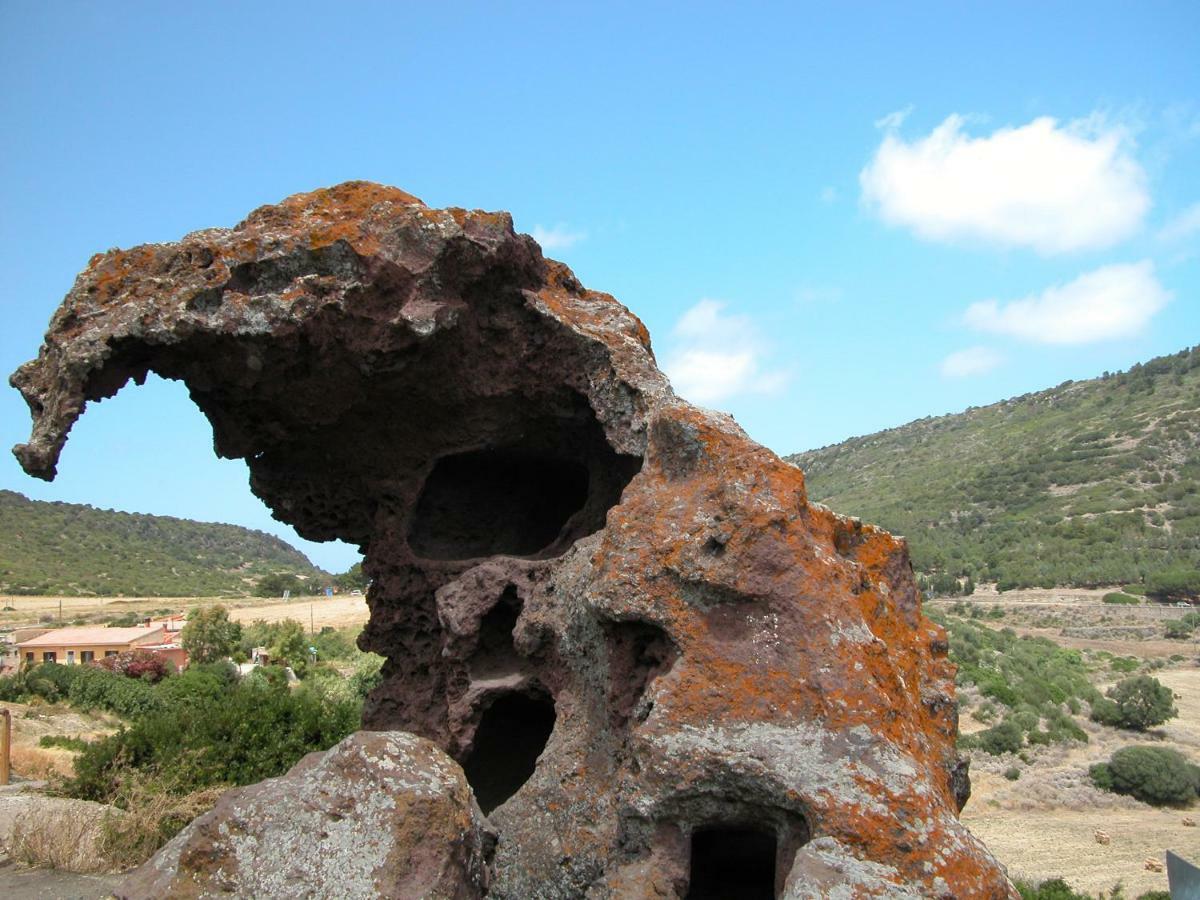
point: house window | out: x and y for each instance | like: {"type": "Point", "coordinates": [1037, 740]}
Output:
{"type": "Point", "coordinates": [108, 653]}
{"type": "Point", "coordinates": [86, 656]}
{"type": "Point", "coordinates": [70, 657]}
{"type": "Point", "coordinates": [49, 656]}
{"type": "Point", "coordinates": [29, 656]}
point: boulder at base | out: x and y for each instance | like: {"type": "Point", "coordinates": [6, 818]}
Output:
{"type": "Point", "coordinates": [382, 814]}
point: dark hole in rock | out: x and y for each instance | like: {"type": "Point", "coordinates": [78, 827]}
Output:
{"type": "Point", "coordinates": [732, 863]}
{"type": "Point", "coordinates": [511, 736]}
{"type": "Point", "coordinates": [638, 653]}
{"type": "Point", "coordinates": [495, 655]}
{"type": "Point", "coordinates": [489, 502]}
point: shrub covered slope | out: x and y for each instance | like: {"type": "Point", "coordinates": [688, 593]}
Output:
{"type": "Point", "coordinates": [65, 548]}
{"type": "Point", "coordinates": [1092, 482]}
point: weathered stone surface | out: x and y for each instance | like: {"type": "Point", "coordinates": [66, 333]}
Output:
{"type": "Point", "coordinates": [382, 814]}
{"type": "Point", "coordinates": [621, 615]}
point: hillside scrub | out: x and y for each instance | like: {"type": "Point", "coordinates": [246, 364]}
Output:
{"type": "Point", "coordinates": [1089, 483]}
{"type": "Point", "coordinates": [1136, 703]}
{"type": "Point", "coordinates": [70, 549]}
{"type": "Point", "coordinates": [1032, 678]}
{"type": "Point", "coordinates": [1159, 776]}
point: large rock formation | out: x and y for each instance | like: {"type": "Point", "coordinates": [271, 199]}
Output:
{"type": "Point", "coordinates": [660, 666]}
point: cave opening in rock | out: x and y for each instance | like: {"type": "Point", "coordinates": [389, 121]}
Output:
{"type": "Point", "coordinates": [511, 736]}
{"type": "Point", "coordinates": [495, 654]}
{"type": "Point", "coordinates": [732, 861]}
{"type": "Point", "coordinates": [501, 501]}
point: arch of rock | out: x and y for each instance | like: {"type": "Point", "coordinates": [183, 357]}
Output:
{"type": "Point", "coordinates": [618, 613]}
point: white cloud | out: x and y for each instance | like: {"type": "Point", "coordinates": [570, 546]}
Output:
{"type": "Point", "coordinates": [971, 361]}
{"type": "Point", "coordinates": [1053, 188]}
{"type": "Point", "coordinates": [1183, 226]}
{"type": "Point", "coordinates": [1112, 302]}
{"type": "Point", "coordinates": [560, 237]}
{"type": "Point", "coordinates": [714, 356]}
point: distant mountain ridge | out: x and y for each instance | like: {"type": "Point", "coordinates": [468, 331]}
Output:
{"type": "Point", "coordinates": [67, 548]}
{"type": "Point", "coordinates": [1090, 482]}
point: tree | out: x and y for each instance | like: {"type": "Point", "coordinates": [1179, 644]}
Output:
{"type": "Point", "coordinates": [275, 584]}
{"type": "Point", "coordinates": [1155, 775]}
{"type": "Point", "coordinates": [352, 579]}
{"type": "Point", "coordinates": [1174, 584]}
{"type": "Point", "coordinates": [1137, 703]}
{"type": "Point", "coordinates": [289, 645]}
{"type": "Point", "coordinates": [209, 636]}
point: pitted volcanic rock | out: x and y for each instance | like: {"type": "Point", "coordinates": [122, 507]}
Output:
{"type": "Point", "coordinates": [657, 662]}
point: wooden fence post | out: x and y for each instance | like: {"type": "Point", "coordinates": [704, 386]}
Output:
{"type": "Point", "coordinates": [5, 744]}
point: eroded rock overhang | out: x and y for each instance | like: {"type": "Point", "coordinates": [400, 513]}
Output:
{"type": "Point", "coordinates": [618, 613]}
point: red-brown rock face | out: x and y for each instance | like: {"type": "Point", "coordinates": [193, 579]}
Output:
{"type": "Point", "coordinates": [659, 665]}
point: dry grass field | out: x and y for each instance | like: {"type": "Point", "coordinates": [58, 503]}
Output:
{"type": "Point", "coordinates": [1043, 825]}
{"type": "Point", "coordinates": [338, 611]}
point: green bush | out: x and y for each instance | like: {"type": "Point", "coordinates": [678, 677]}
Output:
{"type": "Point", "coordinates": [1005, 737]}
{"type": "Point", "coordinates": [97, 689]}
{"type": "Point", "coordinates": [1055, 889]}
{"type": "Point", "coordinates": [1155, 775]}
{"type": "Point", "coordinates": [1012, 773]}
{"type": "Point", "coordinates": [1120, 598]}
{"type": "Point", "coordinates": [250, 730]}
{"type": "Point", "coordinates": [67, 742]}
{"type": "Point", "coordinates": [1125, 664]}
{"type": "Point", "coordinates": [1177, 629]}
{"type": "Point", "coordinates": [1136, 703]}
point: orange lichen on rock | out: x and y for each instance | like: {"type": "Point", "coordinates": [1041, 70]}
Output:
{"type": "Point", "coordinates": [620, 615]}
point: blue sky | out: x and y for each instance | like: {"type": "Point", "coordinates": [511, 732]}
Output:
{"type": "Point", "coordinates": [833, 219]}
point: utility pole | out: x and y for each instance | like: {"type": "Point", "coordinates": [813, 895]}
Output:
{"type": "Point", "coordinates": [311, 628]}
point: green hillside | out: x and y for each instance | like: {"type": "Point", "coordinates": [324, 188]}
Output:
{"type": "Point", "coordinates": [64, 548]}
{"type": "Point", "coordinates": [1091, 482]}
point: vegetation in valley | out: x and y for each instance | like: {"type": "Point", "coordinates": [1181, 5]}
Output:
{"type": "Point", "coordinates": [70, 549]}
{"type": "Point", "coordinates": [1159, 776]}
{"type": "Point", "coordinates": [186, 736]}
{"type": "Point", "coordinates": [1031, 687]}
{"type": "Point", "coordinates": [1089, 483]}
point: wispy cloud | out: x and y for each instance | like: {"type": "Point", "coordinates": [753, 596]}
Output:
{"type": "Point", "coordinates": [1109, 303]}
{"type": "Point", "coordinates": [894, 120]}
{"type": "Point", "coordinates": [559, 237]}
{"type": "Point", "coordinates": [714, 356]}
{"type": "Point", "coordinates": [1054, 188]}
{"type": "Point", "coordinates": [1182, 226]}
{"type": "Point", "coordinates": [971, 361]}
{"type": "Point", "coordinates": [828, 195]}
